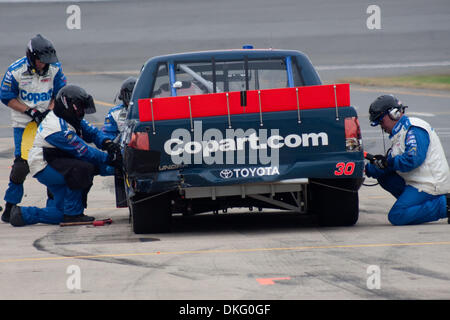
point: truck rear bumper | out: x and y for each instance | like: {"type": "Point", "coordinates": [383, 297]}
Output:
{"type": "Point", "coordinates": [243, 190]}
{"type": "Point", "coordinates": [258, 191]}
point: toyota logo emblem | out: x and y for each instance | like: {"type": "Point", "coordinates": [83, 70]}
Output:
{"type": "Point", "coordinates": [226, 174]}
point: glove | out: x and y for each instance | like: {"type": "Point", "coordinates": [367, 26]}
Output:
{"type": "Point", "coordinates": [380, 161]}
{"type": "Point", "coordinates": [110, 146]}
{"type": "Point", "coordinates": [115, 159]}
{"type": "Point", "coordinates": [36, 115]}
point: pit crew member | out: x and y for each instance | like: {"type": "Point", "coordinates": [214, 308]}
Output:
{"type": "Point", "coordinates": [415, 169]}
{"type": "Point", "coordinates": [62, 160]}
{"type": "Point", "coordinates": [116, 116]}
{"type": "Point", "coordinates": [29, 87]}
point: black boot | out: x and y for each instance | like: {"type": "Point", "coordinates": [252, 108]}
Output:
{"type": "Point", "coordinates": [78, 218]}
{"type": "Point", "coordinates": [16, 218]}
{"type": "Point", "coordinates": [7, 213]}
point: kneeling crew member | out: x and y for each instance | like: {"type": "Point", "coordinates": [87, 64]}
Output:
{"type": "Point", "coordinates": [415, 170]}
{"type": "Point", "coordinates": [62, 160]}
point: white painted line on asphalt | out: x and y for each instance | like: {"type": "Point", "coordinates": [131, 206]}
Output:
{"type": "Point", "coordinates": [95, 73]}
{"type": "Point", "coordinates": [444, 130]}
{"type": "Point", "coordinates": [319, 67]}
{"type": "Point", "coordinates": [421, 114]}
{"type": "Point", "coordinates": [384, 65]}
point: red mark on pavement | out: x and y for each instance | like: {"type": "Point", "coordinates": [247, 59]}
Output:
{"type": "Point", "coordinates": [268, 281]}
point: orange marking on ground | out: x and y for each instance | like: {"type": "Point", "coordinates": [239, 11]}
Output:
{"type": "Point", "coordinates": [269, 281]}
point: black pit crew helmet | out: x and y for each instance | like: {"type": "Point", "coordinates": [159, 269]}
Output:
{"type": "Point", "coordinates": [41, 48]}
{"type": "Point", "coordinates": [72, 103]}
{"type": "Point", "coordinates": [385, 104]}
{"type": "Point", "coordinates": [126, 90]}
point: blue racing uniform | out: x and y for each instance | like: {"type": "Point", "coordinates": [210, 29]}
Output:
{"type": "Point", "coordinates": [114, 121]}
{"type": "Point", "coordinates": [409, 174]}
{"type": "Point", "coordinates": [68, 174]}
{"type": "Point", "coordinates": [35, 91]}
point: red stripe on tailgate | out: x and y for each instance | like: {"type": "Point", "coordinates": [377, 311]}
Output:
{"type": "Point", "coordinates": [269, 100]}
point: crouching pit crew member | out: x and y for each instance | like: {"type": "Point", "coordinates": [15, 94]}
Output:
{"type": "Point", "coordinates": [29, 87]}
{"type": "Point", "coordinates": [62, 160]}
{"type": "Point", "coordinates": [415, 170]}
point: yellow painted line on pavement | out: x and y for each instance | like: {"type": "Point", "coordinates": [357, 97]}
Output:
{"type": "Point", "coordinates": [100, 102]}
{"type": "Point", "coordinates": [103, 103]}
{"type": "Point", "coordinates": [94, 123]}
{"type": "Point", "coordinates": [252, 250]}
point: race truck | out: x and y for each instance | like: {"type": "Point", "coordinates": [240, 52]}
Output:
{"type": "Point", "coordinates": [245, 128]}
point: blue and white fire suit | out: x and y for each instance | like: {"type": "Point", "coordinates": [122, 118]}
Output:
{"type": "Point", "coordinates": [55, 132]}
{"type": "Point", "coordinates": [417, 175]}
{"type": "Point", "coordinates": [33, 90]}
{"type": "Point", "coordinates": [114, 121]}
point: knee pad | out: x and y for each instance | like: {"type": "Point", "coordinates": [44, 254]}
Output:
{"type": "Point", "coordinates": [19, 171]}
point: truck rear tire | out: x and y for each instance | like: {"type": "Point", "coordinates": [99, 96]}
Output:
{"type": "Point", "coordinates": [152, 215]}
{"type": "Point", "coordinates": [335, 202]}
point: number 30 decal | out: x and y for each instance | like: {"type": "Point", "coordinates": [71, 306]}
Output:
{"type": "Point", "coordinates": [344, 168]}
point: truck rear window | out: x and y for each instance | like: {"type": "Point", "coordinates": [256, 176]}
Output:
{"type": "Point", "coordinates": [211, 76]}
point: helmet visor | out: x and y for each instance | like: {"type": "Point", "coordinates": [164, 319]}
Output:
{"type": "Point", "coordinates": [47, 55]}
{"type": "Point", "coordinates": [89, 107]}
{"type": "Point", "coordinates": [375, 119]}
{"type": "Point", "coordinates": [126, 95]}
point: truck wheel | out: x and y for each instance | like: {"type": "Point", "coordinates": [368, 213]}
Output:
{"type": "Point", "coordinates": [335, 202]}
{"type": "Point", "coordinates": [152, 215]}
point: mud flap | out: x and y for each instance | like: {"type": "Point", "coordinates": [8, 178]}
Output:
{"type": "Point", "coordinates": [137, 161]}
{"type": "Point", "coordinates": [27, 139]}
{"type": "Point", "coordinates": [119, 184]}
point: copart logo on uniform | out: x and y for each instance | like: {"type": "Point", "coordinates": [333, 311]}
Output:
{"type": "Point", "coordinates": [237, 147]}
{"type": "Point", "coordinates": [36, 97]}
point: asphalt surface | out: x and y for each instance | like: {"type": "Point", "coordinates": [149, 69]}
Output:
{"type": "Point", "coordinates": [232, 256]}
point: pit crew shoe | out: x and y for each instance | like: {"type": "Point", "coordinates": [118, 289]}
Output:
{"type": "Point", "coordinates": [7, 212]}
{"type": "Point", "coordinates": [16, 218]}
{"type": "Point", "coordinates": [78, 218]}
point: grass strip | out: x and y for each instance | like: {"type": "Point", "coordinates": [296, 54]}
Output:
{"type": "Point", "coordinates": [435, 81]}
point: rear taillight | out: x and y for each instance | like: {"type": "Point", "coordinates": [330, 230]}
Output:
{"type": "Point", "coordinates": [139, 140]}
{"type": "Point", "coordinates": [353, 140]}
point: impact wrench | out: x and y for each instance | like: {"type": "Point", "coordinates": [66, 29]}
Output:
{"type": "Point", "coordinates": [369, 157]}
{"type": "Point", "coordinates": [95, 223]}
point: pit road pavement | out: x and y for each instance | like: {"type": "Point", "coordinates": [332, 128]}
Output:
{"type": "Point", "coordinates": [239, 255]}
